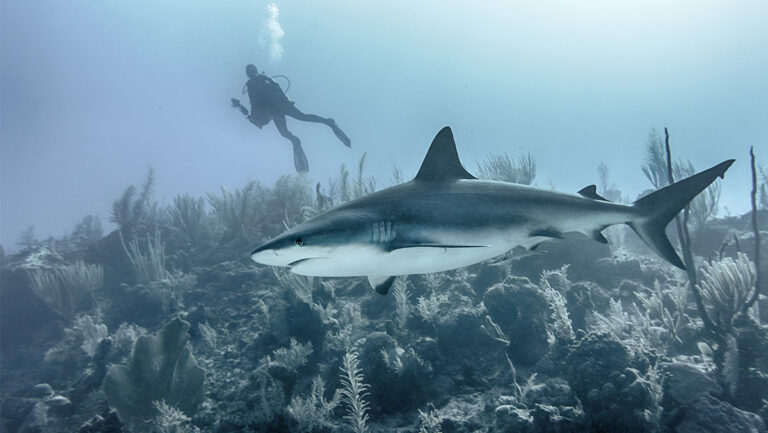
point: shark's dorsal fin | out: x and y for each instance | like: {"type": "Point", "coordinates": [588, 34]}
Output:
{"type": "Point", "coordinates": [591, 192]}
{"type": "Point", "coordinates": [442, 161]}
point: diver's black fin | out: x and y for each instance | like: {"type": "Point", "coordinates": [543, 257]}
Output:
{"type": "Point", "coordinates": [339, 133]}
{"type": "Point", "coordinates": [658, 208]}
{"type": "Point", "coordinates": [590, 191]}
{"type": "Point", "coordinates": [547, 233]}
{"type": "Point", "coordinates": [381, 283]}
{"type": "Point", "coordinates": [442, 161]}
{"type": "Point", "coordinates": [300, 159]}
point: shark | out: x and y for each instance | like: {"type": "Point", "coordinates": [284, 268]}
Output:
{"type": "Point", "coordinates": [446, 218]}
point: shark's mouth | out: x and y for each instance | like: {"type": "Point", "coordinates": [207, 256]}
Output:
{"type": "Point", "coordinates": [306, 259]}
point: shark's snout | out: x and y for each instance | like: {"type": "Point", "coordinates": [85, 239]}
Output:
{"type": "Point", "coordinates": [267, 256]}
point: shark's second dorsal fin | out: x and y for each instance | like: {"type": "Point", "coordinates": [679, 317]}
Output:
{"type": "Point", "coordinates": [442, 161]}
{"type": "Point", "coordinates": [591, 192]}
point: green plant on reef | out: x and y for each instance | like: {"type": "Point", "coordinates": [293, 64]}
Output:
{"type": "Point", "coordinates": [343, 189]}
{"type": "Point", "coordinates": [726, 286]}
{"type": "Point", "coordinates": [289, 358]}
{"type": "Point", "coordinates": [148, 267]}
{"type": "Point", "coordinates": [429, 421]}
{"type": "Point", "coordinates": [314, 413]}
{"type": "Point", "coordinates": [171, 420]}
{"type": "Point", "coordinates": [87, 232]}
{"type": "Point", "coordinates": [402, 309]}
{"type": "Point", "coordinates": [134, 212]}
{"type": "Point", "coordinates": [160, 368]}
{"type": "Point", "coordinates": [501, 167]}
{"type": "Point", "coordinates": [188, 218]}
{"type": "Point", "coordinates": [705, 205]}
{"type": "Point", "coordinates": [241, 214]}
{"type": "Point", "coordinates": [354, 393]}
{"type": "Point", "coordinates": [553, 285]}
{"type": "Point", "coordinates": [66, 288]}
{"type": "Point", "coordinates": [673, 320]}
{"type": "Point", "coordinates": [290, 201]}
{"type": "Point", "coordinates": [299, 285]}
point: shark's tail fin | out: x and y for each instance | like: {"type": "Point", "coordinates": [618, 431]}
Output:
{"type": "Point", "coordinates": [658, 208]}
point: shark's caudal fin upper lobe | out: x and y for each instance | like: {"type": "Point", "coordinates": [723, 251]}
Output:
{"type": "Point", "coordinates": [659, 207]}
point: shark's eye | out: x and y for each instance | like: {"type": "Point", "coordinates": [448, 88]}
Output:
{"type": "Point", "coordinates": [299, 242]}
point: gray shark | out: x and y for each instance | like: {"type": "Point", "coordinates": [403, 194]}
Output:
{"type": "Point", "coordinates": [445, 218]}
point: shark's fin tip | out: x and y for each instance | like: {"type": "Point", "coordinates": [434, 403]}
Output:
{"type": "Point", "coordinates": [381, 284]}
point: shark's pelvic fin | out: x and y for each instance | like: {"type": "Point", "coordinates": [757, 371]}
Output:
{"type": "Point", "coordinates": [590, 191]}
{"type": "Point", "coordinates": [381, 284]}
{"type": "Point", "coordinates": [442, 161]}
{"type": "Point", "coordinates": [659, 207]}
{"type": "Point", "coordinates": [598, 236]}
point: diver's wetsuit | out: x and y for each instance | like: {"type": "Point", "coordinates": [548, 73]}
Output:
{"type": "Point", "coordinates": [269, 102]}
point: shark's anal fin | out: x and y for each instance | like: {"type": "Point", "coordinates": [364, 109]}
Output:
{"type": "Point", "coordinates": [547, 233]}
{"type": "Point", "coordinates": [381, 283]}
{"type": "Point", "coordinates": [590, 191]}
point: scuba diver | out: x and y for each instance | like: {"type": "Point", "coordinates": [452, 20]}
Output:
{"type": "Point", "coordinates": [268, 102]}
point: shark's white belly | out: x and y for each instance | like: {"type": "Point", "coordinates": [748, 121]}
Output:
{"type": "Point", "coordinates": [368, 261]}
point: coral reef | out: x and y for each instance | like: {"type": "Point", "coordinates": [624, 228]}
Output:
{"type": "Point", "coordinates": [165, 325]}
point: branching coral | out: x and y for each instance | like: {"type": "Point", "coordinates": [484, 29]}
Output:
{"type": "Point", "coordinates": [65, 288]}
{"type": "Point", "coordinates": [314, 412]}
{"type": "Point", "coordinates": [240, 214]}
{"type": "Point", "coordinates": [290, 358]}
{"type": "Point", "coordinates": [726, 286]}
{"type": "Point", "coordinates": [561, 325]}
{"type": "Point", "coordinates": [429, 421]}
{"type": "Point", "coordinates": [134, 212]}
{"type": "Point", "coordinates": [188, 218]}
{"type": "Point", "coordinates": [299, 285]}
{"type": "Point", "coordinates": [354, 393]}
{"type": "Point", "coordinates": [501, 167]}
{"type": "Point", "coordinates": [148, 267]}
{"type": "Point", "coordinates": [402, 309]}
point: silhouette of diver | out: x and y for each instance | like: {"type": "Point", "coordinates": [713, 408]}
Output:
{"type": "Point", "coordinates": [268, 102]}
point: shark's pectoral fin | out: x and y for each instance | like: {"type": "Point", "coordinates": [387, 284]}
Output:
{"type": "Point", "coordinates": [547, 233]}
{"type": "Point", "coordinates": [381, 283]}
{"type": "Point", "coordinates": [591, 192]}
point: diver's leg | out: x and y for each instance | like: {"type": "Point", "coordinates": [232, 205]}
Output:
{"type": "Point", "coordinates": [291, 110]}
{"type": "Point", "coordinates": [299, 158]}
{"type": "Point", "coordinates": [299, 115]}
